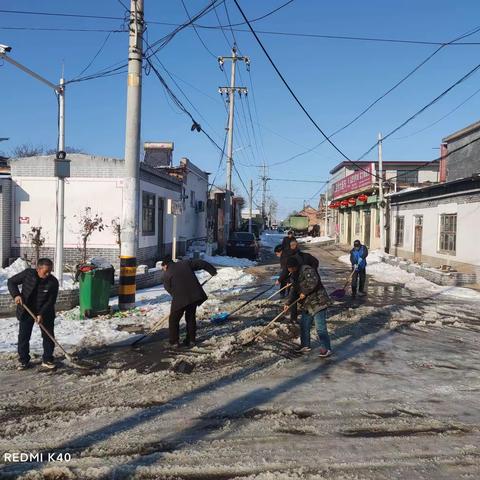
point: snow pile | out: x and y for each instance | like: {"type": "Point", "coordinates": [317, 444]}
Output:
{"type": "Point", "coordinates": [314, 239]}
{"type": "Point", "coordinates": [225, 261]}
{"type": "Point", "coordinates": [19, 265]}
{"type": "Point", "coordinates": [385, 273]}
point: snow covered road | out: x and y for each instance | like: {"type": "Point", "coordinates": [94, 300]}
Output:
{"type": "Point", "coordinates": [398, 400]}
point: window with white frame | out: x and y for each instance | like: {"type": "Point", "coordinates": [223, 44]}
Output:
{"type": "Point", "coordinates": [448, 233]}
{"type": "Point", "coordinates": [399, 231]}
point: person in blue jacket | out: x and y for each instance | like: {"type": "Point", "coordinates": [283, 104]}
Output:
{"type": "Point", "coordinates": [358, 259]}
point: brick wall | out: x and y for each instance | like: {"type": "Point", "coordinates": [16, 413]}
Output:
{"type": "Point", "coordinates": [5, 220]}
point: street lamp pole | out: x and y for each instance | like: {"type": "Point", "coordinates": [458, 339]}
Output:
{"type": "Point", "coordinates": [60, 91]}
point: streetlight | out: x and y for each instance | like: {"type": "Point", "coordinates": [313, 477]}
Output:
{"type": "Point", "coordinates": [60, 91]}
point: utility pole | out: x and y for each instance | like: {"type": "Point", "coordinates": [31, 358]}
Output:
{"type": "Point", "coordinates": [230, 91]}
{"type": "Point", "coordinates": [130, 205]}
{"type": "Point", "coordinates": [60, 217]}
{"type": "Point", "coordinates": [326, 211]}
{"type": "Point", "coordinates": [380, 194]}
{"type": "Point", "coordinates": [60, 160]}
{"type": "Point", "coordinates": [264, 179]}
{"type": "Point", "coordinates": [251, 206]}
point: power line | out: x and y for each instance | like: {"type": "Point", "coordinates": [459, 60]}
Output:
{"type": "Point", "coordinates": [296, 180]}
{"type": "Point", "coordinates": [99, 51]}
{"type": "Point", "coordinates": [440, 119]}
{"type": "Point", "coordinates": [62, 29]}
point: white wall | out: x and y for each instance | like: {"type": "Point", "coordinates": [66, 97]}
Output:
{"type": "Point", "coordinates": [468, 231]}
{"type": "Point", "coordinates": [36, 198]}
{"type": "Point", "coordinates": [193, 224]}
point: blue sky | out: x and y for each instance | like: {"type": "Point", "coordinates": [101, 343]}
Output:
{"type": "Point", "coordinates": [335, 79]}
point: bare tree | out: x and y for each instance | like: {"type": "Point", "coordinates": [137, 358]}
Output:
{"type": "Point", "coordinates": [116, 227]}
{"type": "Point", "coordinates": [89, 223]}
{"type": "Point", "coordinates": [27, 150]}
{"type": "Point", "coordinates": [53, 151]}
{"type": "Point", "coordinates": [36, 241]}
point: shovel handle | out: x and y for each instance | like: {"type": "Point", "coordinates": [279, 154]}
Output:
{"type": "Point", "coordinates": [251, 300]}
{"type": "Point", "coordinates": [269, 324]}
{"type": "Point", "coordinates": [49, 335]}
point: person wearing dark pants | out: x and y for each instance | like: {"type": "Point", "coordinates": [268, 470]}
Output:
{"type": "Point", "coordinates": [39, 293]}
{"type": "Point", "coordinates": [187, 294]}
{"type": "Point", "coordinates": [314, 301]}
{"type": "Point", "coordinates": [358, 259]}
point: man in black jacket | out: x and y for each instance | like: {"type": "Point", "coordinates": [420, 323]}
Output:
{"type": "Point", "coordinates": [39, 293]}
{"type": "Point", "coordinates": [187, 294]}
{"type": "Point", "coordinates": [286, 240]}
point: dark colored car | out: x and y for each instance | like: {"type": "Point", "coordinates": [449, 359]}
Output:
{"type": "Point", "coordinates": [243, 245]}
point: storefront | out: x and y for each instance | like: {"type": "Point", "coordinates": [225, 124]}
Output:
{"type": "Point", "coordinates": [355, 206]}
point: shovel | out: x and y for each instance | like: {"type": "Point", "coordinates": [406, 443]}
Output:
{"type": "Point", "coordinates": [158, 325]}
{"type": "Point", "coordinates": [267, 327]}
{"type": "Point", "coordinates": [55, 341]}
{"type": "Point", "coordinates": [340, 292]}
{"type": "Point", "coordinates": [224, 316]}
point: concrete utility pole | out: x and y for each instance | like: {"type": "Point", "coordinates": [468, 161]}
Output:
{"type": "Point", "coordinates": [251, 205]}
{"type": "Point", "coordinates": [60, 205]}
{"type": "Point", "coordinates": [326, 211]}
{"type": "Point", "coordinates": [130, 205]}
{"type": "Point", "coordinates": [380, 194]}
{"type": "Point", "coordinates": [264, 179]}
{"type": "Point", "coordinates": [230, 91]}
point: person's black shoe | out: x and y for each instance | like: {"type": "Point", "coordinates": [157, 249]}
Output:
{"type": "Point", "coordinates": [23, 365]}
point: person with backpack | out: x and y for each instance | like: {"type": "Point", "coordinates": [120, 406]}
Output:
{"type": "Point", "coordinates": [358, 259]}
{"type": "Point", "coordinates": [313, 302]}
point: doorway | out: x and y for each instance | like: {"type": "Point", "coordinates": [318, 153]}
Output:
{"type": "Point", "coordinates": [366, 230]}
{"type": "Point", "coordinates": [417, 246]}
{"type": "Point", "coordinates": [349, 228]}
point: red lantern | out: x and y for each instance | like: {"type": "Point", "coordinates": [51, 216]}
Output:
{"type": "Point", "coordinates": [331, 205]}
{"type": "Point", "coordinates": [336, 205]}
{"type": "Point", "coordinates": [344, 203]}
{"type": "Point", "coordinates": [362, 197]}
{"type": "Point", "coordinates": [352, 201]}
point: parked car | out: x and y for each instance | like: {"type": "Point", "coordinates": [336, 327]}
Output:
{"type": "Point", "coordinates": [243, 245]}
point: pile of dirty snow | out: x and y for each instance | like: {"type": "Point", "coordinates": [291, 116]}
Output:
{"type": "Point", "coordinates": [385, 273]}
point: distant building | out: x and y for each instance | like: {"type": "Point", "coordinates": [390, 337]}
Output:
{"type": "Point", "coordinates": [353, 192]}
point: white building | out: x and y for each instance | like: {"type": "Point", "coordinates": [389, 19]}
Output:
{"type": "Point", "coordinates": [439, 225]}
{"type": "Point", "coordinates": [97, 183]}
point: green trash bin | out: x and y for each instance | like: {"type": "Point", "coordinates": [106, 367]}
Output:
{"type": "Point", "coordinates": [95, 288]}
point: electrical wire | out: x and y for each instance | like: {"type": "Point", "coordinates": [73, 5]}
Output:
{"type": "Point", "coordinates": [99, 51]}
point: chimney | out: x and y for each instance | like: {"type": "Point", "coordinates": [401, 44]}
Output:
{"type": "Point", "coordinates": [443, 163]}
{"type": "Point", "coordinates": [158, 154]}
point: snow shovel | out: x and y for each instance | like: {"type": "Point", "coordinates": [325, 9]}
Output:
{"type": "Point", "coordinates": [224, 316]}
{"type": "Point", "coordinates": [267, 327]}
{"type": "Point", "coordinates": [339, 293]}
{"type": "Point", "coordinates": [273, 294]}
{"type": "Point", "coordinates": [55, 341]}
{"type": "Point", "coordinates": [158, 325]}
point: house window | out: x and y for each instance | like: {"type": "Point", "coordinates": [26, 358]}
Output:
{"type": "Point", "coordinates": [448, 233]}
{"type": "Point", "coordinates": [399, 227]}
{"type": "Point", "coordinates": [192, 198]}
{"type": "Point", "coordinates": [407, 176]}
{"type": "Point", "coordinates": [148, 213]}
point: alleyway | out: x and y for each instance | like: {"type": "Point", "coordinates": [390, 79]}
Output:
{"type": "Point", "coordinates": [399, 399]}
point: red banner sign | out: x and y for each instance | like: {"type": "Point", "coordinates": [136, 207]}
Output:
{"type": "Point", "coordinates": [353, 182]}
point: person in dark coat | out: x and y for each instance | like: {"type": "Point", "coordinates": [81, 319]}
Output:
{"type": "Point", "coordinates": [358, 259]}
{"type": "Point", "coordinates": [39, 293]}
{"type": "Point", "coordinates": [187, 294]}
{"type": "Point", "coordinates": [286, 240]}
{"type": "Point", "coordinates": [314, 301]}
